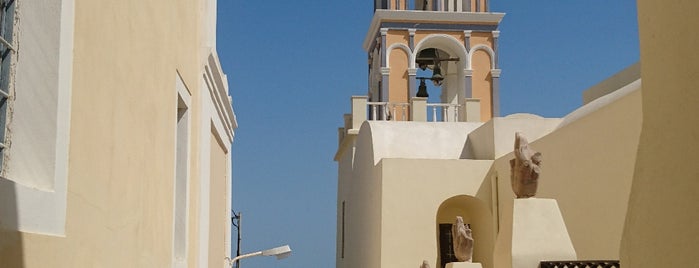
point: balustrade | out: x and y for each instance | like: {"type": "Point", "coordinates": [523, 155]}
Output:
{"type": "Point", "coordinates": [443, 112]}
{"type": "Point", "coordinates": [388, 111]}
{"type": "Point", "coordinates": [417, 110]}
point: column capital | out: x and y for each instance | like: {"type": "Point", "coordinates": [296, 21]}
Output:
{"type": "Point", "coordinates": [496, 34]}
{"type": "Point", "coordinates": [385, 71]}
{"type": "Point", "coordinates": [468, 72]}
{"type": "Point", "coordinates": [384, 31]}
{"type": "Point", "coordinates": [495, 73]}
{"type": "Point", "coordinates": [412, 71]}
{"type": "Point", "coordinates": [467, 33]}
{"type": "Point", "coordinates": [412, 31]}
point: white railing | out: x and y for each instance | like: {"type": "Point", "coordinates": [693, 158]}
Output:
{"type": "Point", "coordinates": [388, 111]}
{"type": "Point", "coordinates": [454, 5]}
{"type": "Point", "coordinates": [443, 112]}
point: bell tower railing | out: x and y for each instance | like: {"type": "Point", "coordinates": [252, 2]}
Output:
{"type": "Point", "coordinates": [434, 5]}
{"type": "Point", "coordinates": [468, 110]}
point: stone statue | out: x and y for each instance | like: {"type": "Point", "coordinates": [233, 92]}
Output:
{"type": "Point", "coordinates": [462, 240]}
{"type": "Point", "coordinates": [525, 168]}
{"type": "Point", "coordinates": [425, 264]}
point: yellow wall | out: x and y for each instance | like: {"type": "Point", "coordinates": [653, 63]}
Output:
{"type": "Point", "coordinates": [217, 201]}
{"type": "Point", "coordinates": [482, 83]}
{"type": "Point", "coordinates": [661, 224]}
{"type": "Point", "coordinates": [481, 64]}
{"type": "Point", "coordinates": [398, 77]}
{"type": "Point", "coordinates": [397, 36]}
{"type": "Point", "coordinates": [411, 194]}
{"type": "Point", "coordinates": [587, 167]}
{"type": "Point", "coordinates": [121, 169]}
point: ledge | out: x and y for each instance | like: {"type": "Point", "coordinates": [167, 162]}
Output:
{"type": "Point", "coordinates": [427, 16]}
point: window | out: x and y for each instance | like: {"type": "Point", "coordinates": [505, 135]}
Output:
{"type": "Point", "coordinates": [7, 23]}
{"type": "Point", "coordinates": [181, 205]}
{"type": "Point", "coordinates": [446, 248]}
{"type": "Point", "coordinates": [342, 253]}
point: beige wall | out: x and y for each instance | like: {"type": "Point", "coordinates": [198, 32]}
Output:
{"type": "Point", "coordinates": [661, 224]}
{"type": "Point", "coordinates": [217, 200]}
{"type": "Point", "coordinates": [587, 167]}
{"type": "Point", "coordinates": [123, 125]}
{"type": "Point", "coordinates": [413, 190]}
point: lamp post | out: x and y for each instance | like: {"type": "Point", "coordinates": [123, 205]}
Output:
{"type": "Point", "coordinates": [278, 252]}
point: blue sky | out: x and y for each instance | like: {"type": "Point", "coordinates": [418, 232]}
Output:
{"type": "Point", "coordinates": [293, 65]}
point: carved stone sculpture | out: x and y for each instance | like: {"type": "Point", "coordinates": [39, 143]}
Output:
{"type": "Point", "coordinates": [425, 264]}
{"type": "Point", "coordinates": [525, 168]}
{"type": "Point", "coordinates": [462, 240]}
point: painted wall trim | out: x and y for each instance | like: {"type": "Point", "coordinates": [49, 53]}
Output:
{"type": "Point", "coordinates": [396, 46]}
{"type": "Point", "coordinates": [485, 48]}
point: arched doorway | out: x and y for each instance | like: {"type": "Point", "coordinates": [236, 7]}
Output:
{"type": "Point", "coordinates": [477, 214]}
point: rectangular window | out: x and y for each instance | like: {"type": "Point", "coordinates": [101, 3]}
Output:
{"type": "Point", "coordinates": [342, 253]}
{"type": "Point", "coordinates": [181, 202]}
{"type": "Point", "coordinates": [7, 22]}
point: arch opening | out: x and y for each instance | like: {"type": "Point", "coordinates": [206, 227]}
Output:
{"type": "Point", "coordinates": [474, 212]}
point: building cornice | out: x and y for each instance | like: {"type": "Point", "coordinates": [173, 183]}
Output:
{"type": "Point", "coordinates": [418, 16]}
{"type": "Point", "coordinates": [219, 93]}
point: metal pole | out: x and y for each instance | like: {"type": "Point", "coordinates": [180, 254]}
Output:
{"type": "Point", "coordinates": [237, 262]}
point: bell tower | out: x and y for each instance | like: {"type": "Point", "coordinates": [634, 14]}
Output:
{"type": "Point", "coordinates": [451, 44]}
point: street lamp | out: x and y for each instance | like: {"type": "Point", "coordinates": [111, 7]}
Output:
{"type": "Point", "coordinates": [278, 252]}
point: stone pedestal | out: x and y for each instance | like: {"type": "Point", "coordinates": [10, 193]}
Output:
{"type": "Point", "coordinates": [535, 232]}
{"type": "Point", "coordinates": [464, 265]}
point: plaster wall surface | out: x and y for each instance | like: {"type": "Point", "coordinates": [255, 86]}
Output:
{"type": "Point", "coordinates": [362, 206]}
{"type": "Point", "coordinates": [482, 82]}
{"type": "Point", "coordinates": [661, 224]}
{"type": "Point", "coordinates": [495, 138]}
{"type": "Point", "coordinates": [413, 191]}
{"type": "Point", "coordinates": [344, 183]}
{"type": "Point", "coordinates": [419, 140]}
{"type": "Point", "coordinates": [35, 112]}
{"type": "Point", "coordinates": [218, 196]}
{"type": "Point", "coordinates": [398, 79]}
{"type": "Point", "coordinates": [123, 122]}
{"type": "Point", "coordinates": [587, 167]}
{"type": "Point", "coordinates": [397, 37]}
{"type": "Point", "coordinates": [618, 80]}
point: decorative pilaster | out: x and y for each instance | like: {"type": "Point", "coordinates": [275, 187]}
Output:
{"type": "Point", "coordinates": [384, 32]}
{"type": "Point", "coordinates": [412, 39]}
{"type": "Point", "coordinates": [468, 88]}
{"type": "Point", "coordinates": [412, 73]}
{"type": "Point", "coordinates": [467, 40]}
{"type": "Point", "coordinates": [384, 83]}
{"type": "Point", "coordinates": [495, 73]}
{"type": "Point", "coordinates": [496, 35]}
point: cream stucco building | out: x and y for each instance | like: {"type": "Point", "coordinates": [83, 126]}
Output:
{"type": "Point", "coordinates": [117, 131]}
{"type": "Point", "coordinates": [402, 179]}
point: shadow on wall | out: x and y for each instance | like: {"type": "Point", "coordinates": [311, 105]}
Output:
{"type": "Point", "coordinates": [11, 255]}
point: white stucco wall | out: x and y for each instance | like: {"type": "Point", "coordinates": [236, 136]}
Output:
{"type": "Point", "coordinates": [420, 140]}
{"type": "Point", "coordinates": [37, 157]}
